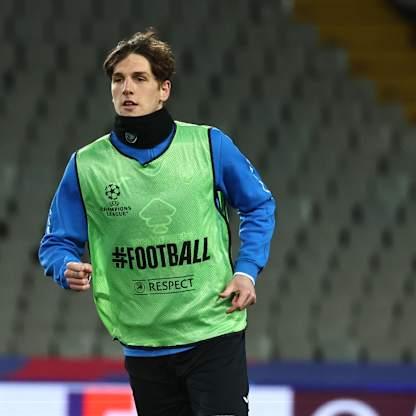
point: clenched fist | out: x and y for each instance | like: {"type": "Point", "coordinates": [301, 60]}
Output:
{"type": "Point", "coordinates": [78, 275]}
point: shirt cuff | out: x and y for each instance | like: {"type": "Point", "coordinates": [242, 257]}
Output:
{"type": "Point", "coordinates": [246, 268]}
{"type": "Point", "coordinates": [245, 275]}
{"type": "Point", "coordinates": [61, 279]}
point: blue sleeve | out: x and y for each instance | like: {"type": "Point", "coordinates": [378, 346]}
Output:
{"type": "Point", "coordinates": [242, 186]}
{"type": "Point", "coordinates": [66, 229]}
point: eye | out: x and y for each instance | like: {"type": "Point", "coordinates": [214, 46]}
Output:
{"type": "Point", "coordinates": [117, 79]}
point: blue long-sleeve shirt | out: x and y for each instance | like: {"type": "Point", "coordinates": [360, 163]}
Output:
{"type": "Point", "coordinates": [67, 232]}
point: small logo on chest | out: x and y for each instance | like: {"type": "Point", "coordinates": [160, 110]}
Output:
{"type": "Point", "coordinates": [113, 193]}
{"type": "Point", "coordinates": [158, 215]}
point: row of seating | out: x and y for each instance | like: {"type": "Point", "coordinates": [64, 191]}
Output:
{"type": "Point", "coordinates": [341, 277]}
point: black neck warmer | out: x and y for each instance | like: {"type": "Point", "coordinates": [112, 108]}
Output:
{"type": "Point", "coordinates": [144, 132]}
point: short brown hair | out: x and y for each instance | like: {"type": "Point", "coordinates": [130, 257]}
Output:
{"type": "Point", "coordinates": [158, 53]}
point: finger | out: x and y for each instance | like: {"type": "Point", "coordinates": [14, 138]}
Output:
{"type": "Point", "coordinates": [77, 285]}
{"type": "Point", "coordinates": [87, 268]}
{"type": "Point", "coordinates": [232, 309]}
{"type": "Point", "coordinates": [241, 302]}
{"type": "Point", "coordinates": [236, 299]}
{"type": "Point", "coordinates": [234, 303]}
{"type": "Point", "coordinates": [78, 282]}
{"type": "Point", "coordinates": [77, 288]}
{"type": "Point", "coordinates": [75, 266]}
{"type": "Point", "coordinates": [79, 267]}
{"type": "Point", "coordinates": [250, 300]}
{"type": "Point", "coordinates": [227, 292]}
{"type": "Point", "coordinates": [76, 275]}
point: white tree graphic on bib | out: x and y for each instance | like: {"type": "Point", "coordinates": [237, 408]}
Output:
{"type": "Point", "coordinates": [158, 215]}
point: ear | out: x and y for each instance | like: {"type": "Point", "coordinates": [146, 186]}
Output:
{"type": "Point", "coordinates": [165, 87]}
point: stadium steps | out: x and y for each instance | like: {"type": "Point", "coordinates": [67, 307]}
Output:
{"type": "Point", "coordinates": [378, 40]}
{"type": "Point", "coordinates": [323, 137]}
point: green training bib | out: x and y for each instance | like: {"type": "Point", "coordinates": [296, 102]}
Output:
{"type": "Point", "coordinates": [159, 245]}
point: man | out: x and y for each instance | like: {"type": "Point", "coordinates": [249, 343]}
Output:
{"type": "Point", "coordinates": [150, 200]}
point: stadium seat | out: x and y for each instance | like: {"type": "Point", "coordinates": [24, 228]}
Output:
{"type": "Point", "coordinates": [339, 162]}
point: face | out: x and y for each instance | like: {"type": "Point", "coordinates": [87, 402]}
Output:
{"type": "Point", "coordinates": [134, 88]}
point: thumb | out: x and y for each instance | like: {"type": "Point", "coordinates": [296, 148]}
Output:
{"type": "Point", "coordinates": [227, 292]}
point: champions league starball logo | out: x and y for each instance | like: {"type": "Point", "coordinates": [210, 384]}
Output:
{"type": "Point", "coordinates": [112, 192]}
{"type": "Point", "coordinates": [113, 207]}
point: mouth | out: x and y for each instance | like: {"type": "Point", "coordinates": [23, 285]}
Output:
{"type": "Point", "coordinates": [129, 103]}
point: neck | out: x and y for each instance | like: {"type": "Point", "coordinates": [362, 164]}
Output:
{"type": "Point", "coordinates": [144, 132]}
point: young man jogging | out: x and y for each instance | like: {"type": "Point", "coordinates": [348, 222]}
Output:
{"type": "Point", "coordinates": [149, 198]}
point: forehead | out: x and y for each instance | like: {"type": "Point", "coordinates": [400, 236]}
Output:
{"type": "Point", "coordinates": [133, 63]}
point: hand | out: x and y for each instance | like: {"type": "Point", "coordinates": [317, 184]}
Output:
{"type": "Point", "coordinates": [243, 292]}
{"type": "Point", "coordinates": [78, 275]}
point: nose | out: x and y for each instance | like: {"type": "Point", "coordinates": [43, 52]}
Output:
{"type": "Point", "coordinates": [127, 87]}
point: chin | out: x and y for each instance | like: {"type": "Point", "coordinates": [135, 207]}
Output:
{"type": "Point", "coordinates": [129, 113]}
{"type": "Point", "coordinates": [134, 112]}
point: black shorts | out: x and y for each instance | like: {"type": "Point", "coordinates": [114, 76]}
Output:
{"type": "Point", "coordinates": [210, 379]}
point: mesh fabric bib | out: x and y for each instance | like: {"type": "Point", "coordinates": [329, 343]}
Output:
{"type": "Point", "coordinates": [159, 246]}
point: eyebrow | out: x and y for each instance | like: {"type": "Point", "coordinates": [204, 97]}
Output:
{"type": "Point", "coordinates": [120, 74]}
